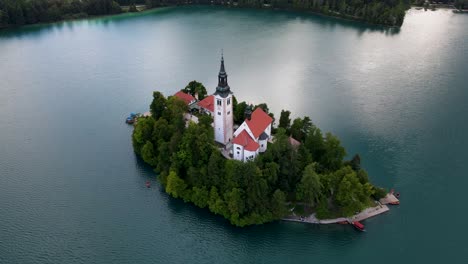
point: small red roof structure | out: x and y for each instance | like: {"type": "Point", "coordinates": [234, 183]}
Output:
{"type": "Point", "coordinates": [246, 141]}
{"type": "Point", "coordinates": [207, 103]}
{"type": "Point", "coordinates": [258, 122]}
{"type": "Point", "coordinates": [187, 98]}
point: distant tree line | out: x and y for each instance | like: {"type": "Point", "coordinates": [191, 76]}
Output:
{"type": "Point", "coordinates": [21, 12]}
{"type": "Point", "coordinates": [384, 12]}
{"type": "Point", "coordinates": [461, 4]}
{"type": "Point", "coordinates": [191, 167]}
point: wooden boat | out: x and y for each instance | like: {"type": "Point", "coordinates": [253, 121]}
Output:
{"type": "Point", "coordinates": [395, 203]}
{"type": "Point", "coordinates": [358, 226]}
{"type": "Point", "coordinates": [343, 222]}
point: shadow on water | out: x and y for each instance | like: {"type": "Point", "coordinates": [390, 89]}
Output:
{"type": "Point", "coordinates": [273, 16]}
{"type": "Point", "coordinates": [255, 234]}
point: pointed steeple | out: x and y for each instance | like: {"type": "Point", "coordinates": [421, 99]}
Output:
{"type": "Point", "coordinates": [221, 69]}
{"type": "Point", "coordinates": [223, 88]}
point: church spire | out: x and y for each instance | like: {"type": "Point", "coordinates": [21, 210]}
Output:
{"type": "Point", "coordinates": [223, 88]}
{"type": "Point", "coordinates": [221, 69]}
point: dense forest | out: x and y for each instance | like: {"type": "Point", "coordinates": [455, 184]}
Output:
{"type": "Point", "coordinates": [461, 4]}
{"type": "Point", "coordinates": [21, 12]}
{"type": "Point", "coordinates": [384, 12]}
{"type": "Point", "coordinates": [312, 176]}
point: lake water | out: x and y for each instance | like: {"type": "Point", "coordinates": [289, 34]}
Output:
{"type": "Point", "coordinates": [72, 190]}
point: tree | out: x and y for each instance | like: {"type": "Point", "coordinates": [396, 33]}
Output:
{"type": "Point", "coordinates": [239, 112]}
{"type": "Point", "coordinates": [142, 133]}
{"type": "Point", "coordinates": [352, 196]}
{"type": "Point", "coordinates": [264, 107]}
{"type": "Point", "coordinates": [285, 121]}
{"type": "Point", "coordinates": [309, 189]}
{"type": "Point", "coordinates": [235, 202]}
{"type": "Point", "coordinates": [215, 170]}
{"type": "Point", "coordinates": [196, 89]}
{"type": "Point", "coordinates": [315, 143]}
{"type": "Point", "coordinates": [355, 162]}
{"type": "Point", "coordinates": [147, 153]}
{"type": "Point", "coordinates": [174, 113]}
{"type": "Point", "coordinates": [300, 128]}
{"type": "Point", "coordinates": [158, 105]}
{"type": "Point", "coordinates": [332, 158]}
{"type": "Point", "coordinates": [175, 186]}
{"type": "Point", "coordinates": [200, 196]}
{"type": "Point", "coordinates": [278, 204]}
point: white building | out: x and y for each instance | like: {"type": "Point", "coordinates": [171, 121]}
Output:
{"type": "Point", "coordinates": [223, 114]}
{"type": "Point", "coordinates": [251, 138]}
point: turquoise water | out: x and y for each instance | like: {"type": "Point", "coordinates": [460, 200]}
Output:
{"type": "Point", "coordinates": [72, 191]}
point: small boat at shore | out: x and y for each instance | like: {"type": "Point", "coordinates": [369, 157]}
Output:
{"type": "Point", "coordinates": [343, 222]}
{"type": "Point", "coordinates": [132, 118]}
{"type": "Point", "coordinates": [394, 203]}
{"type": "Point", "coordinates": [129, 120]}
{"type": "Point", "coordinates": [358, 226]}
{"type": "Point", "coordinates": [148, 184]}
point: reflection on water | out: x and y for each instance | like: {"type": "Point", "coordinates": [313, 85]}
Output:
{"type": "Point", "coordinates": [161, 13]}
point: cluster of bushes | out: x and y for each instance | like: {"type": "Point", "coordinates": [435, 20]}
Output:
{"type": "Point", "coordinates": [191, 167]}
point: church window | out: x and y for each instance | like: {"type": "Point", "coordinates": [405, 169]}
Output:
{"type": "Point", "coordinates": [219, 113]}
{"type": "Point", "coordinates": [229, 101]}
{"type": "Point", "coordinates": [229, 112]}
{"type": "Point", "coordinates": [219, 102]}
{"type": "Point", "coordinates": [238, 147]}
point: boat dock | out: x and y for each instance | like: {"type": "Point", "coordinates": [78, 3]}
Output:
{"type": "Point", "coordinates": [380, 208]}
{"type": "Point", "coordinates": [367, 213]}
{"type": "Point", "coordinates": [389, 199]}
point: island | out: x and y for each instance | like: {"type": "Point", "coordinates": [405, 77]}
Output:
{"type": "Point", "coordinates": [229, 157]}
{"type": "Point", "coordinates": [24, 12]}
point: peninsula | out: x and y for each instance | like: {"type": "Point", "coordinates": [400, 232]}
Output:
{"type": "Point", "coordinates": [229, 157]}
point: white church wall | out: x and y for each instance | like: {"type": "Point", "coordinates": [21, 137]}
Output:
{"type": "Point", "coordinates": [238, 152]}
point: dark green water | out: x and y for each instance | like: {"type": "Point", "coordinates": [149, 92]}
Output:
{"type": "Point", "coordinates": [72, 191]}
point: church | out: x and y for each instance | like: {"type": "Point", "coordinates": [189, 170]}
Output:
{"type": "Point", "coordinates": [251, 137]}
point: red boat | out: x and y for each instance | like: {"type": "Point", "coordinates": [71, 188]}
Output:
{"type": "Point", "coordinates": [358, 226]}
{"type": "Point", "coordinates": [395, 203]}
{"type": "Point", "coordinates": [148, 184]}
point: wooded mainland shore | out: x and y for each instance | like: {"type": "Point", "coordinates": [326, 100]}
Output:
{"type": "Point", "coordinates": [26, 12]}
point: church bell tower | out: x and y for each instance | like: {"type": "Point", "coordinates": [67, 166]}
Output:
{"type": "Point", "coordinates": [223, 114]}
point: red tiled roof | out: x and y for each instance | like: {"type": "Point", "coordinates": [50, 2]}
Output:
{"type": "Point", "coordinates": [259, 122]}
{"type": "Point", "coordinates": [187, 98]}
{"type": "Point", "coordinates": [246, 141]}
{"type": "Point", "coordinates": [207, 103]}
